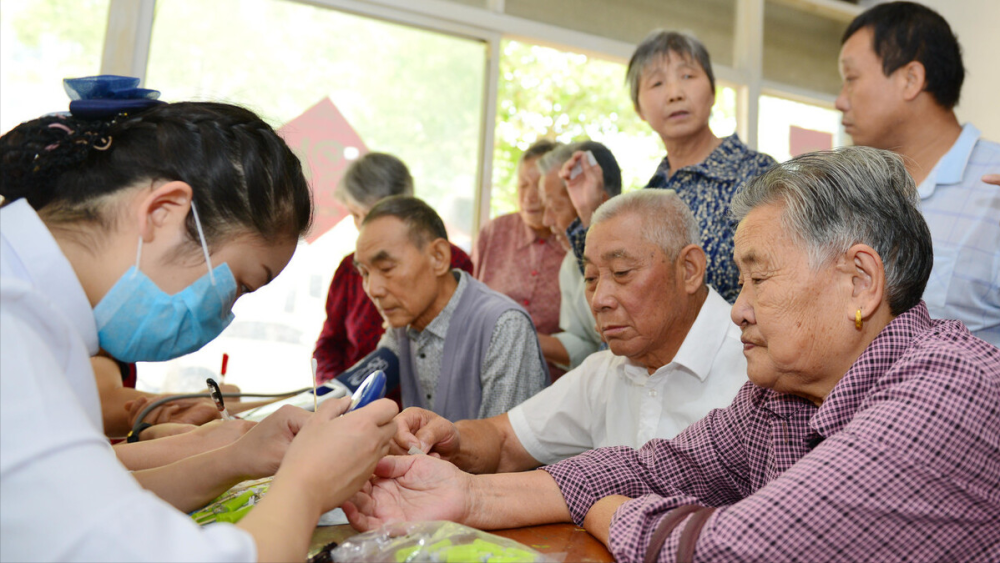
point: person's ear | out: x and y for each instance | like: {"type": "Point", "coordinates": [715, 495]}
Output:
{"type": "Point", "coordinates": [440, 255]}
{"type": "Point", "coordinates": [691, 263]}
{"type": "Point", "coordinates": [867, 279]}
{"type": "Point", "coordinates": [164, 209]}
{"type": "Point", "coordinates": [914, 77]}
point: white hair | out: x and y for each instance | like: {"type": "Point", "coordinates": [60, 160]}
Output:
{"type": "Point", "coordinates": [835, 199]}
{"type": "Point", "coordinates": [667, 220]}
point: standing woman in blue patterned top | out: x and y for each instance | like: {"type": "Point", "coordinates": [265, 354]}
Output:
{"type": "Point", "coordinates": [673, 90]}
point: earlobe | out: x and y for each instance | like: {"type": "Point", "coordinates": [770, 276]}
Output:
{"type": "Point", "coordinates": [441, 256]}
{"type": "Point", "coordinates": [915, 76]}
{"type": "Point", "coordinates": [867, 278]}
{"type": "Point", "coordinates": [692, 262]}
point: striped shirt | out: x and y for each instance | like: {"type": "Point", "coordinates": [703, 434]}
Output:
{"type": "Point", "coordinates": [900, 462]}
{"type": "Point", "coordinates": [963, 215]}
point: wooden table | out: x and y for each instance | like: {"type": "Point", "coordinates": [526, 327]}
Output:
{"type": "Point", "coordinates": [566, 542]}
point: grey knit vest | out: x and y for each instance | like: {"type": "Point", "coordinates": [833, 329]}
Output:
{"type": "Point", "coordinates": [458, 393]}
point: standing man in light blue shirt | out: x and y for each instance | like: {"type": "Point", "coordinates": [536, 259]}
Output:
{"type": "Point", "coordinates": [902, 71]}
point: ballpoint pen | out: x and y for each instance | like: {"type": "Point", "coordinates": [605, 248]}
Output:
{"type": "Point", "coordinates": [217, 397]}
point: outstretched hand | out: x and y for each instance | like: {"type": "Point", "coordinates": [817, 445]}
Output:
{"type": "Point", "coordinates": [586, 191]}
{"type": "Point", "coordinates": [430, 432]}
{"type": "Point", "coordinates": [407, 488]}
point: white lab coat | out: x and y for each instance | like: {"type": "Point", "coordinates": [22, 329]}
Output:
{"type": "Point", "coordinates": [63, 494]}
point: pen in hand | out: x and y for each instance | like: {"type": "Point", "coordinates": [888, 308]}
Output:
{"type": "Point", "coordinates": [217, 397]}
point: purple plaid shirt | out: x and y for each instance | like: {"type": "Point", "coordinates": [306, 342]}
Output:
{"type": "Point", "coordinates": [900, 463]}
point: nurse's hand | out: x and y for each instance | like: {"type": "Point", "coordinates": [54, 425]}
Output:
{"type": "Point", "coordinates": [334, 455]}
{"type": "Point", "coordinates": [182, 411]}
{"type": "Point", "coordinates": [165, 430]}
{"type": "Point", "coordinates": [219, 433]}
{"type": "Point", "coordinates": [258, 453]}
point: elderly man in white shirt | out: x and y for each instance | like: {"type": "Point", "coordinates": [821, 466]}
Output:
{"type": "Point", "coordinates": [674, 352]}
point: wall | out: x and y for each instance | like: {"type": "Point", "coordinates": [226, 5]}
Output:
{"type": "Point", "coordinates": [975, 23]}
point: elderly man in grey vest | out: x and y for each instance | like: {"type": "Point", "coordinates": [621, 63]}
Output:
{"type": "Point", "coordinates": [674, 352]}
{"type": "Point", "coordinates": [465, 351]}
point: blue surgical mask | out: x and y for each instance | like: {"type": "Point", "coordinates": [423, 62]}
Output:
{"type": "Point", "coordinates": [139, 322]}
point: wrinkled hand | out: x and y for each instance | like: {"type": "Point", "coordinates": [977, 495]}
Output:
{"type": "Point", "coordinates": [426, 430]}
{"type": "Point", "coordinates": [183, 411]}
{"type": "Point", "coordinates": [586, 191]}
{"type": "Point", "coordinates": [410, 488]}
{"type": "Point", "coordinates": [992, 179]}
{"type": "Point", "coordinates": [335, 455]}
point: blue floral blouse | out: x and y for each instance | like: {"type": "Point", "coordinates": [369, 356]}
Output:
{"type": "Point", "coordinates": [707, 188]}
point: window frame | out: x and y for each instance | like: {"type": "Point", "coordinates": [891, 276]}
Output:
{"type": "Point", "coordinates": [130, 23]}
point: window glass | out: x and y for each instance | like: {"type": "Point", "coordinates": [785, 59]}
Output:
{"type": "Point", "coordinates": [788, 128]}
{"type": "Point", "coordinates": [42, 42]}
{"type": "Point", "coordinates": [382, 87]}
{"type": "Point", "coordinates": [548, 93]}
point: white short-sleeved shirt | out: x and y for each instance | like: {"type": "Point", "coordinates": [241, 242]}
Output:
{"type": "Point", "coordinates": [611, 401]}
{"type": "Point", "coordinates": [63, 494]}
{"type": "Point", "coordinates": [576, 320]}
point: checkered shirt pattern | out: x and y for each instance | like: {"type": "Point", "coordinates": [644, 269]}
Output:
{"type": "Point", "coordinates": [706, 188]}
{"type": "Point", "coordinates": [901, 462]}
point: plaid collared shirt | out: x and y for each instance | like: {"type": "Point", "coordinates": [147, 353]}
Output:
{"type": "Point", "coordinates": [900, 463]}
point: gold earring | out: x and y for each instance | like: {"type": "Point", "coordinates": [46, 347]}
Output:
{"type": "Point", "coordinates": [857, 319]}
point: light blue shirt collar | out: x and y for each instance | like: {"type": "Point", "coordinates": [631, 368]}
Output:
{"type": "Point", "coordinates": [951, 168]}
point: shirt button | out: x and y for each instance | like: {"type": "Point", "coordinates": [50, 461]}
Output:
{"type": "Point", "coordinates": [428, 397]}
{"type": "Point", "coordinates": [525, 302]}
{"type": "Point", "coordinates": [652, 392]}
{"type": "Point", "coordinates": [421, 355]}
{"type": "Point", "coordinates": [534, 272]}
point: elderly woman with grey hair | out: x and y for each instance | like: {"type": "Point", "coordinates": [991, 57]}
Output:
{"type": "Point", "coordinates": [867, 431]}
{"type": "Point", "coordinates": [672, 85]}
{"type": "Point", "coordinates": [353, 324]}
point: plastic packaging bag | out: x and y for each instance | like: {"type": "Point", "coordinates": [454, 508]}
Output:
{"type": "Point", "coordinates": [445, 542]}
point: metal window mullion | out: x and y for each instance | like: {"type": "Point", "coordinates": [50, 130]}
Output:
{"type": "Point", "coordinates": [126, 42]}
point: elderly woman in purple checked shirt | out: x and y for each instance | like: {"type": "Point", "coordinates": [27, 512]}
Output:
{"type": "Point", "coordinates": [867, 432]}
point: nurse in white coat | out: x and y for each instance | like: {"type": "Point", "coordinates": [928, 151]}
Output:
{"type": "Point", "coordinates": [137, 235]}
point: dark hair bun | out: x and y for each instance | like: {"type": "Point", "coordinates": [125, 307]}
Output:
{"type": "Point", "coordinates": [34, 153]}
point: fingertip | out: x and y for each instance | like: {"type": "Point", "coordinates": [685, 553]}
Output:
{"type": "Point", "coordinates": [332, 408]}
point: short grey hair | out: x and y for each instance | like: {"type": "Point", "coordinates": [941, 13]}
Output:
{"type": "Point", "coordinates": [555, 158]}
{"type": "Point", "coordinates": [667, 220]}
{"type": "Point", "coordinates": [661, 43]}
{"type": "Point", "coordinates": [835, 199]}
{"type": "Point", "coordinates": [374, 177]}
{"type": "Point", "coordinates": [612, 173]}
